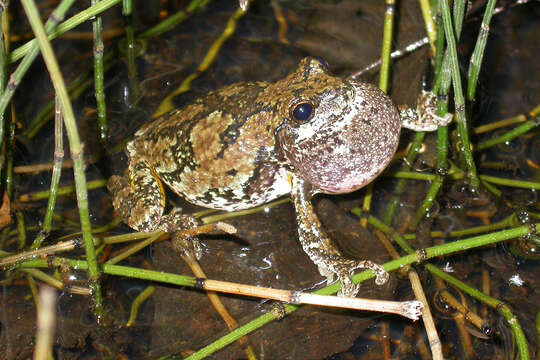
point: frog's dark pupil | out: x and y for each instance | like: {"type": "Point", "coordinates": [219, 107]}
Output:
{"type": "Point", "coordinates": [302, 111]}
{"type": "Point", "coordinates": [323, 63]}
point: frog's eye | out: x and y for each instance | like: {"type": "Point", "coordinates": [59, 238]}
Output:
{"type": "Point", "coordinates": [302, 112]}
{"type": "Point", "coordinates": [323, 63]}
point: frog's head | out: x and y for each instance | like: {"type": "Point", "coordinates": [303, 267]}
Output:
{"type": "Point", "coordinates": [336, 134]}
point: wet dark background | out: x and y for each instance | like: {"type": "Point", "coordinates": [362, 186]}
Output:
{"type": "Point", "coordinates": [347, 34]}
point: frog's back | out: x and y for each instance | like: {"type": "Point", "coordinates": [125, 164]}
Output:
{"type": "Point", "coordinates": [217, 152]}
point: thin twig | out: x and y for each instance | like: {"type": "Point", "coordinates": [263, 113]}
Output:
{"type": "Point", "coordinates": [209, 58]}
{"type": "Point", "coordinates": [46, 323]}
{"type": "Point", "coordinates": [429, 323]}
{"type": "Point", "coordinates": [9, 261]}
{"type": "Point", "coordinates": [184, 247]}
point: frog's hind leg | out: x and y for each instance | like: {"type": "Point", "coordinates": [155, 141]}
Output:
{"type": "Point", "coordinates": [318, 246]}
{"type": "Point", "coordinates": [138, 198]}
{"type": "Point", "coordinates": [140, 201]}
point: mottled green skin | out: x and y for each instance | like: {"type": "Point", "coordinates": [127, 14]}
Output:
{"type": "Point", "coordinates": [237, 147]}
{"type": "Point", "coordinates": [242, 146]}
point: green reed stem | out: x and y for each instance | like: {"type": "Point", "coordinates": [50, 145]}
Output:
{"type": "Point", "coordinates": [514, 120]}
{"type": "Point", "coordinates": [459, 175]}
{"type": "Point", "coordinates": [441, 87]}
{"type": "Point", "coordinates": [491, 188]}
{"type": "Point", "coordinates": [137, 302]}
{"type": "Point", "coordinates": [8, 154]}
{"type": "Point", "coordinates": [133, 249]}
{"type": "Point", "coordinates": [126, 7]}
{"type": "Point", "coordinates": [384, 74]}
{"type": "Point", "coordinates": [62, 191]}
{"type": "Point", "coordinates": [3, 77]}
{"type": "Point", "coordinates": [478, 53]}
{"type": "Point", "coordinates": [458, 14]}
{"type": "Point", "coordinates": [33, 287]}
{"type": "Point", "coordinates": [509, 221]}
{"type": "Point", "coordinates": [474, 242]}
{"type": "Point", "coordinates": [510, 135]}
{"type": "Point", "coordinates": [388, 32]}
{"type": "Point", "coordinates": [532, 185]}
{"type": "Point", "coordinates": [75, 88]}
{"type": "Point", "coordinates": [21, 238]}
{"type": "Point", "coordinates": [429, 24]}
{"type": "Point", "coordinates": [439, 53]}
{"type": "Point", "coordinates": [415, 146]}
{"type": "Point", "coordinates": [15, 78]}
{"type": "Point", "coordinates": [459, 100]}
{"type": "Point", "coordinates": [55, 177]}
{"type": "Point", "coordinates": [99, 87]}
{"type": "Point", "coordinates": [65, 26]}
{"type": "Point", "coordinates": [75, 148]}
{"type": "Point", "coordinates": [47, 279]}
{"type": "Point", "coordinates": [427, 203]}
{"type": "Point", "coordinates": [173, 20]}
{"type": "Point", "coordinates": [498, 305]}
{"type": "Point", "coordinates": [180, 280]}
{"type": "Point", "coordinates": [131, 54]}
{"type": "Point", "coordinates": [411, 175]}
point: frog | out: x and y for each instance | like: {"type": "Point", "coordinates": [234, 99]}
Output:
{"type": "Point", "coordinates": [249, 143]}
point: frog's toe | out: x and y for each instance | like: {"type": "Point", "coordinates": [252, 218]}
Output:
{"type": "Point", "coordinates": [188, 247]}
{"type": "Point", "coordinates": [327, 273]}
{"type": "Point", "coordinates": [177, 220]}
{"type": "Point", "coordinates": [381, 275]}
{"type": "Point", "coordinates": [446, 119]}
{"type": "Point", "coordinates": [348, 288]}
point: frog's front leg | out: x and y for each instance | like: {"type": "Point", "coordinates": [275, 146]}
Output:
{"type": "Point", "coordinates": [139, 199]}
{"type": "Point", "coordinates": [424, 117]}
{"type": "Point", "coordinates": [318, 246]}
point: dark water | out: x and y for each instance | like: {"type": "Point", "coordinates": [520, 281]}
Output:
{"type": "Point", "coordinates": [177, 321]}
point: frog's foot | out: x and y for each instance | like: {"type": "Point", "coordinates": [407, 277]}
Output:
{"type": "Point", "coordinates": [186, 242]}
{"type": "Point", "coordinates": [424, 117]}
{"type": "Point", "coordinates": [344, 270]}
{"type": "Point", "coordinates": [188, 247]}
{"type": "Point", "coordinates": [176, 220]}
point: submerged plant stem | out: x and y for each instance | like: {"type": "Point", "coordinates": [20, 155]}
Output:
{"type": "Point", "coordinates": [99, 76]}
{"type": "Point", "coordinates": [55, 177]}
{"type": "Point", "coordinates": [75, 148]}
{"type": "Point", "coordinates": [459, 100]}
{"type": "Point", "coordinates": [478, 53]}
{"type": "Point", "coordinates": [462, 245]}
{"type": "Point", "coordinates": [65, 26]}
{"type": "Point", "coordinates": [414, 257]}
